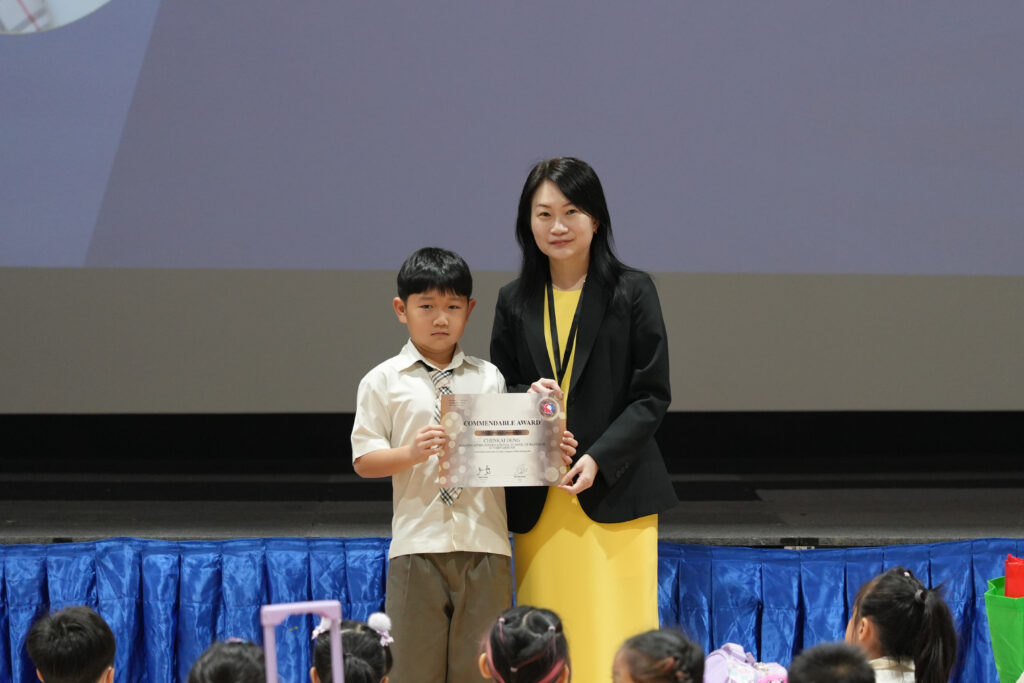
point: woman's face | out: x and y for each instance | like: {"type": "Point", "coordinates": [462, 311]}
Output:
{"type": "Point", "coordinates": [562, 231]}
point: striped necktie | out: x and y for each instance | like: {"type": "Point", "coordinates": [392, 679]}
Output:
{"type": "Point", "coordinates": [441, 380]}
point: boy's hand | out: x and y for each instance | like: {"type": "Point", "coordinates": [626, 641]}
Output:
{"type": "Point", "coordinates": [582, 475]}
{"type": "Point", "coordinates": [429, 441]}
{"type": "Point", "coordinates": [546, 385]}
{"type": "Point", "coordinates": [568, 447]}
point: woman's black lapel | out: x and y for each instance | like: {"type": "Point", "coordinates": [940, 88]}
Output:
{"type": "Point", "coordinates": [533, 319]}
{"type": "Point", "coordinates": [595, 302]}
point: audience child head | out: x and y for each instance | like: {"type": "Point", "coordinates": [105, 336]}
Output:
{"type": "Point", "coordinates": [659, 656]}
{"type": "Point", "coordinates": [895, 615]}
{"type": "Point", "coordinates": [831, 663]}
{"type": "Point", "coordinates": [366, 650]}
{"type": "Point", "coordinates": [231, 661]}
{"type": "Point", "coordinates": [73, 645]}
{"type": "Point", "coordinates": [526, 645]}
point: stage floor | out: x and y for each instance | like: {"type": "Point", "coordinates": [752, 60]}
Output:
{"type": "Point", "coordinates": [750, 510]}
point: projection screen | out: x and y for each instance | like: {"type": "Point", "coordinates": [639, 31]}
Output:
{"type": "Point", "coordinates": [204, 205]}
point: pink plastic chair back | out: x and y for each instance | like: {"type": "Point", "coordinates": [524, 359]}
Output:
{"type": "Point", "coordinates": [271, 617]}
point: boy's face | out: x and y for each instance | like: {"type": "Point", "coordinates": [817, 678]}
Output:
{"type": "Point", "coordinates": [436, 321]}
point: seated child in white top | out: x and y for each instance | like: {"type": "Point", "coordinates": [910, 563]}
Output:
{"type": "Point", "coordinates": [905, 628]}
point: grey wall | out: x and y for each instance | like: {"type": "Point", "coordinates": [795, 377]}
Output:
{"type": "Point", "coordinates": [152, 340]}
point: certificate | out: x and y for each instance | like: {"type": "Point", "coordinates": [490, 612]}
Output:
{"type": "Point", "coordinates": [501, 440]}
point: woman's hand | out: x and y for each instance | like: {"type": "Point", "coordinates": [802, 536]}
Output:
{"type": "Point", "coordinates": [581, 476]}
{"type": "Point", "coordinates": [568, 447]}
{"type": "Point", "coordinates": [546, 385]}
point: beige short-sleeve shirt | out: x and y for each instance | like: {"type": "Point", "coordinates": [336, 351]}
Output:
{"type": "Point", "coordinates": [394, 400]}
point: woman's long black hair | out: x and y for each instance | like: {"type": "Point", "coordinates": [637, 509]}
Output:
{"type": "Point", "coordinates": [913, 622]}
{"type": "Point", "coordinates": [580, 184]}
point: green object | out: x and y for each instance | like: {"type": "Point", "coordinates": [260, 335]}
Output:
{"type": "Point", "coordinates": [1006, 628]}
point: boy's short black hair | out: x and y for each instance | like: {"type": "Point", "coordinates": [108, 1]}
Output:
{"type": "Point", "coordinates": [831, 663]}
{"type": "Point", "coordinates": [236, 661]}
{"type": "Point", "coordinates": [434, 268]}
{"type": "Point", "coordinates": [74, 645]}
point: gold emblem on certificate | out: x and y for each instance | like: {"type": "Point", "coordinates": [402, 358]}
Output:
{"type": "Point", "coordinates": [501, 440]}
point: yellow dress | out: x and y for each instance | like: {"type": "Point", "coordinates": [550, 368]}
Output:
{"type": "Point", "coordinates": [601, 579]}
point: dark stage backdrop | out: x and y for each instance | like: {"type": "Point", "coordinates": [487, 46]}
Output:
{"type": "Point", "coordinates": [202, 205]}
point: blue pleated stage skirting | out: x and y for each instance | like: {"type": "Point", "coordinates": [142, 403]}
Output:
{"type": "Point", "coordinates": [167, 601]}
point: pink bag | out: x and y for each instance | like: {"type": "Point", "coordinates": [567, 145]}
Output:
{"type": "Point", "coordinates": [731, 664]}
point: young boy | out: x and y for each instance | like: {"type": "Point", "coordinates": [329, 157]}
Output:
{"type": "Point", "coordinates": [449, 568]}
{"type": "Point", "coordinates": [74, 645]}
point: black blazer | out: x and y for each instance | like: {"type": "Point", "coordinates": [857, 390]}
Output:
{"type": "Point", "coordinates": [618, 394]}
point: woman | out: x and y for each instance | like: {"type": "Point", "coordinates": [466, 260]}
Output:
{"type": "Point", "coordinates": [580, 324]}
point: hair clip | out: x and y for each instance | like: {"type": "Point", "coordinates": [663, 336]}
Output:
{"type": "Point", "coordinates": [551, 627]}
{"type": "Point", "coordinates": [919, 595]}
{"type": "Point", "coordinates": [501, 629]}
{"type": "Point", "coordinates": [323, 627]}
{"type": "Point", "coordinates": [381, 623]}
{"type": "Point", "coordinates": [906, 573]}
{"type": "Point", "coordinates": [235, 639]}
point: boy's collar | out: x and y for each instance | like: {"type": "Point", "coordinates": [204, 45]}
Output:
{"type": "Point", "coordinates": [411, 355]}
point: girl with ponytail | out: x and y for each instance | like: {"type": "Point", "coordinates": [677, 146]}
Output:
{"type": "Point", "coordinates": [526, 645]}
{"type": "Point", "coordinates": [905, 628]}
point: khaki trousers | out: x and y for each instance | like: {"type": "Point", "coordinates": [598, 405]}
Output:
{"type": "Point", "coordinates": [441, 606]}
